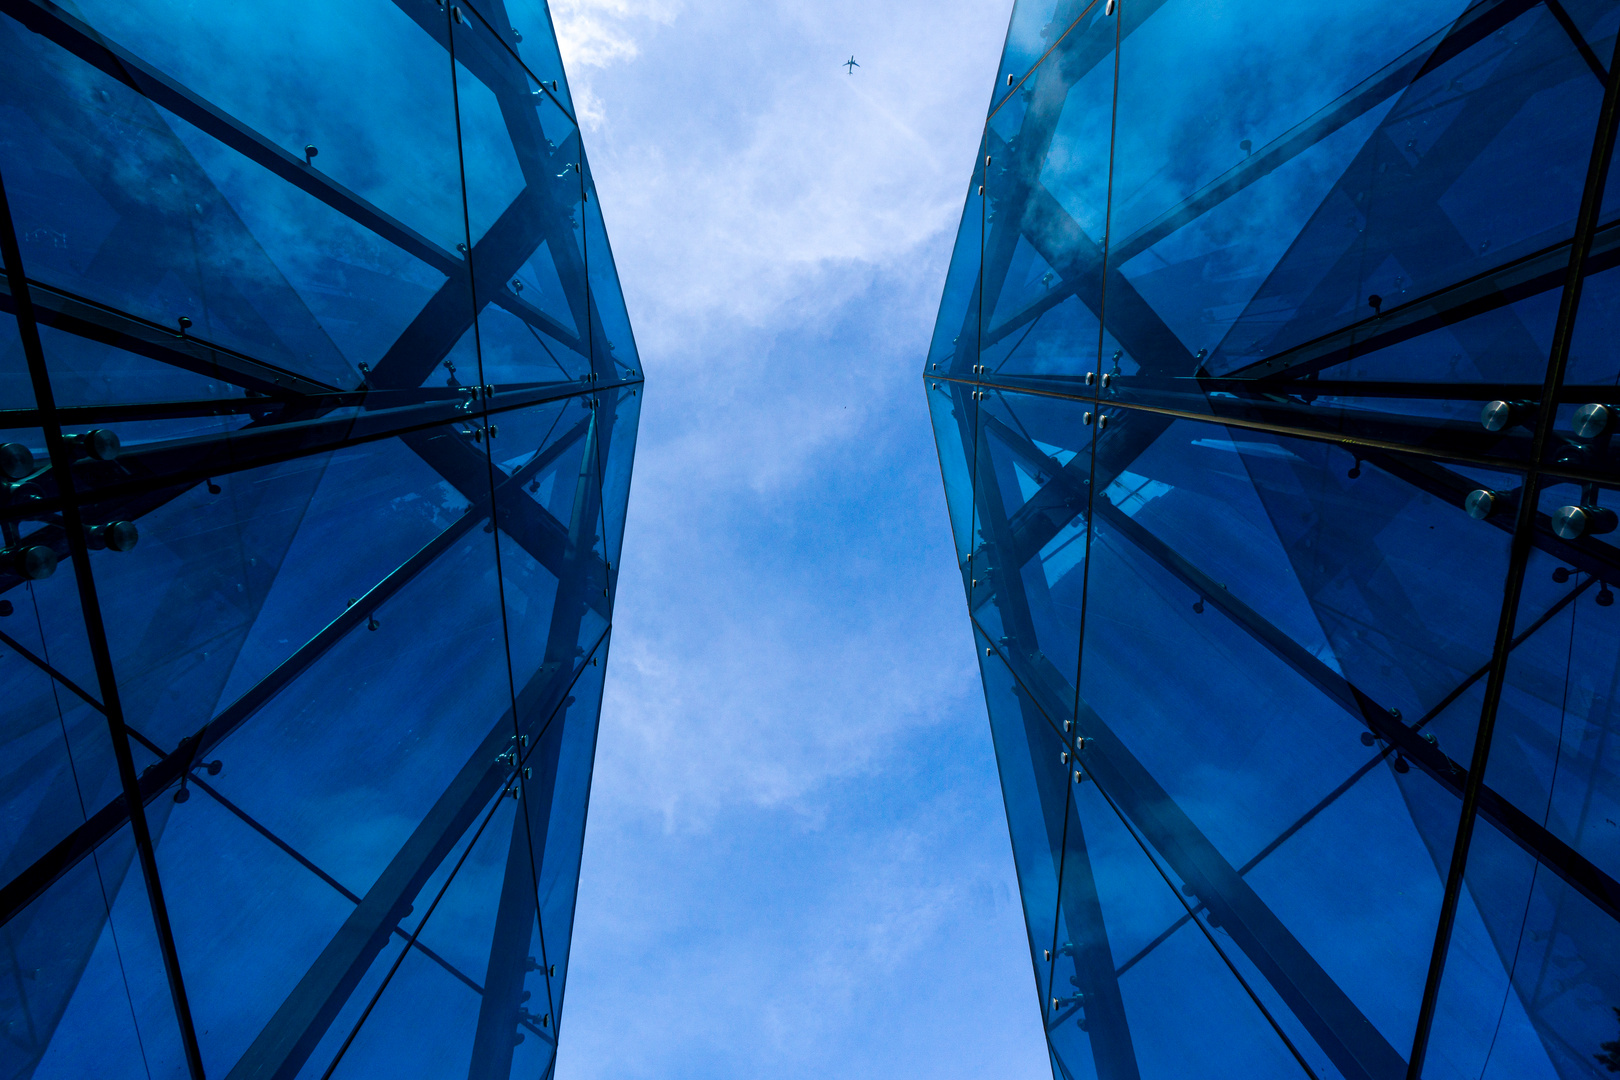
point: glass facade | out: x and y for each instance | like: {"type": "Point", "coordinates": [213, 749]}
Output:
{"type": "Point", "coordinates": [1275, 387]}
{"type": "Point", "coordinates": [320, 400]}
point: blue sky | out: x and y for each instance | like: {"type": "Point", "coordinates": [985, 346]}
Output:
{"type": "Point", "coordinates": [796, 862]}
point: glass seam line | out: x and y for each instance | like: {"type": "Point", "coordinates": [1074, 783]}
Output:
{"type": "Point", "coordinates": [1586, 225]}
{"type": "Point", "coordinates": [96, 634]}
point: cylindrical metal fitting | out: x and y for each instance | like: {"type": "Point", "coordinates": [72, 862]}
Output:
{"type": "Point", "coordinates": [16, 460]}
{"type": "Point", "coordinates": [1593, 420]}
{"type": "Point", "coordinates": [1570, 522]}
{"type": "Point", "coordinates": [1482, 503]}
{"type": "Point", "coordinates": [35, 562]}
{"type": "Point", "coordinates": [1496, 415]}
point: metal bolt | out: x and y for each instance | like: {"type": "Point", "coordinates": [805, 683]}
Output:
{"type": "Point", "coordinates": [1102, 422]}
{"type": "Point", "coordinates": [114, 536]}
{"type": "Point", "coordinates": [16, 461]}
{"type": "Point", "coordinates": [1107, 379]}
{"type": "Point", "coordinates": [99, 444]}
{"type": "Point", "coordinates": [1481, 503]}
{"type": "Point", "coordinates": [1593, 420]}
{"type": "Point", "coordinates": [1570, 522]}
{"type": "Point", "coordinates": [34, 562]}
{"type": "Point", "coordinates": [1087, 419]}
{"type": "Point", "coordinates": [1500, 415]}
{"type": "Point", "coordinates": [1009, 78]}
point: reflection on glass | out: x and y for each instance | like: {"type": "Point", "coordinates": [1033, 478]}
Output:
{"type": "Point", "coordinates": [304, 618]}
{"type": "Point", "coordinates": [1237, 385]}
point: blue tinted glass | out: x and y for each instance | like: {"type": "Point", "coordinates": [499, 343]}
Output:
{"type": "Point", "coordinates": [523, 169]}
{"type": "Point", "coordinates": [99, 1003]}
{"type": "Point", "coordinates": [16, 387]}
{"type": "Point", "coordinates": [1045, 168]}
{"type": "Point", "coordinates": [317, 294]}
{"type": "Point", "coordinates": [1530, 981]}
{"type": "Point", "coordinates": [613, 350]}
{"type": "Point", "coordinates": [1236, 389]}
{"type": "Point", "coordinates": [526, 27]}
{"type": "Point", "coordinates": [306, 277]}
{"type": "Point", "coordinates": [433, 1015]}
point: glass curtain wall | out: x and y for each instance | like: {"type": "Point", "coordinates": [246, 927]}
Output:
{"type": "Point", "coordinates": [1275, 387]}
{"type": "Point", "coordinates": [319, 403]}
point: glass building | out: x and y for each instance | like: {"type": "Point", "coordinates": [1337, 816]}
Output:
{"type": "Point", "coordinates": [319, 402]}
{"type": "Point", "coordinates": [1275, 386]}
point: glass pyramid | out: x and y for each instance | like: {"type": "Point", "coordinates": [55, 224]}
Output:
{"type": "Point", "coordinates": [320, 401]}
{"type": "Point", "coordinates": [1263, 324]}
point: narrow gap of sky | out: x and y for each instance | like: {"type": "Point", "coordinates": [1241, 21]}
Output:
{"type": "Point", "coordinates": [796, 862]}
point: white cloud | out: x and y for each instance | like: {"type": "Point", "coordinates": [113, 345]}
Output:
{"type": "Point", "coordinates": [595, 34]}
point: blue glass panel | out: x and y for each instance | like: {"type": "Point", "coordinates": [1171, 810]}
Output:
{"type": "Point", "coordinates": [948, 405]}
{"type": "Point", "coordinates": [1550, 753]}
{"type": "Point", "coordinates": [613, 348]}
{"type": "Point", "coordinates": [1307, 620]}
{"type": "Point", "coordinates": [530, 273]}
{"type": "Point", "coordinates": [16, 388]}
{"type": "Point", "coordinates": [618, 418]}
{"type": "Point", "coordinates": [553, 575]}
{"type": "Point", "coordinates": [1037, 27]}
{"type": "Point", "coordinates": [1033, 486]}
{"type": "Point", "coordinates": [1046, 209]}
{"type": "Point", "coordinates": [1530, 992]}
{"type": "Point", "coordinates": [555, 801]}
{"type": "Point", "coordinates": [249, 916]}
{"type": "Point", "coordinates": [1340, 238]}
{"type": "Point", "coordinates": [426, 1019]}
{"type": "Point", "coordinates": [365, 82]}
{"type": "Point", "coordinates": [253, 264]}
{"type": "Point", "coordinates": [1185, 1008]}
{"type": "Point", "coordinates": [94, 1000]}
{"type": "Point", "coordinates": [955, 346]}
{"type": "Point", "coordinates": [527, 28]}
{"type": "Point", "coordinates": [58, 755]}
{"type": "Point", "coordinates": [1028, 751]}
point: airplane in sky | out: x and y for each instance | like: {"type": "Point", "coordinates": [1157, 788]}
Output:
{"type": "Point", "coordinates": [850, 64]}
